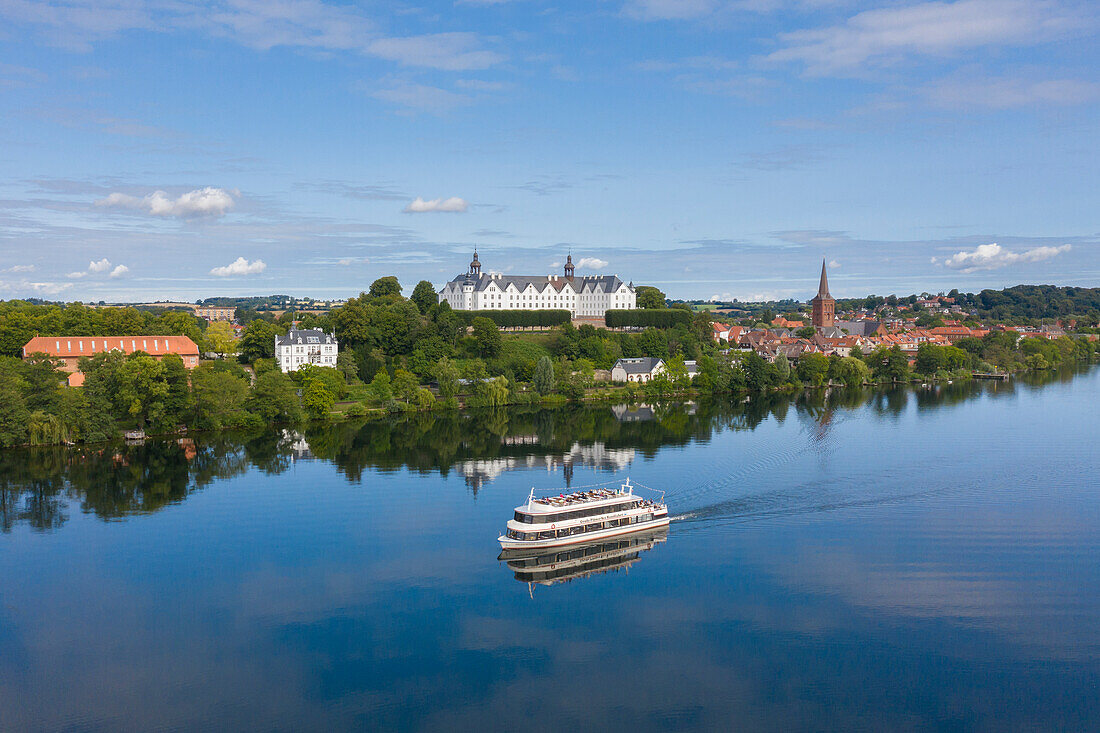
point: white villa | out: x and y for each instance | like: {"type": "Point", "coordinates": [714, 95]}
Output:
{"type": "Point", "coordinates": [639, 369]}
{"type": "Point", "coordinates": [586, 296]}
{"type": "Point", "coordinates": [310, 346]}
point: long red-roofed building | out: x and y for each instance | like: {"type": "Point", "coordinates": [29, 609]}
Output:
{"type": "Point", "coordinates": [69, 349]}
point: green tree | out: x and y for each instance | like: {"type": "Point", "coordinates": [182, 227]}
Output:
{"type": "Point", "coordinates": [178, 401]}
{"type": "Point", "coordinates": [446, 376]}
{"type": "Point", "coordinates": [332, 378]}
{"type": "Point", "coordinates": [274, 398]}
{"type": "Point", "coordinates": [889, 364]}
{"type": "Point", "coordinates": [850, 370]}
{"type": "Point", "coordinates": [258, 340]}
{"type": "Point", "coordinates": [930, 359]}
{"type": "Point", "coordinates": [317, 399]}
{"type": "Point", "coordinates": [221, 339]}
{"type": "Point", "coordinates": [379, 389]}
{"type": "Point", "coordinates": [176, 323]}
{"type": "Point", "coordinates": [385, 287]}
{"type": "Point", "coordinates": [812, 369]}
{"type": "Point", "coordinates": [494, 392]}
{"type": "Point", "coordinates": [345, 364]}
{"type": "Point", "coordinates": [143, 389]}
{"type": "Point", "coordinates": [43, 377]}
{"type": "Point", "coordinates": [649, 297]}
{"type": "Point", "coordinates": [424, 398]}
{"type": "Point", "coordinates": [544, 376]}
{"type": "Point", "coordinates": [1037, 362]}
{"type": "Point", "coordinates": [759, 374]}
{"type": "Point", "coordinates": [487, 337]}
{"type": "Point", "coordinates": [404, 385]}
{"type": "Point", "coordinates": [14, 416]}
{"type": "Point", "coordinates": [806, 332]}
{"type": "Point", "coordinates": [652, 343]}
{"type": "Point", "coordinates": [676, 372]}
{"type": "Point", "coordinates": [424, 296]}
{"type": "Point", "coordinates": [782, 366]}
{"type": "Point", "coordinates": [218, 397]}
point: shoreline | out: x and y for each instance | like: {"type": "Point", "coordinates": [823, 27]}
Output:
{"type": "Point", "coordinates": [617, 394]}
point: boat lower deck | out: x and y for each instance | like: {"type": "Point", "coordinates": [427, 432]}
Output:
{"type": "Point", "coordinates": [599, 531]}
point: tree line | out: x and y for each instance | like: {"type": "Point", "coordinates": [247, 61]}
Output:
{"type": "Point", "coordinates": [401, 354]}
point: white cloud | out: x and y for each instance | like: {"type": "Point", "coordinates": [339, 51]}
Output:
{"type": "Point", "coordinates": [1006, 93]}
{"type": "Point", "coordinates": [256, 24]}
{"type": "Point", "coordinates": [994, 256]}
{"type": "Point", "coordinates": [37, 288]}
{"type": "Point", "coordinates": [451, 205]}
{"type": "Point", "coordinates": [447, 51]}
{"type": "Point", "coordinates": [19, 268]}
{"type": "Point", "coordinates": [119, 271]}
{"type": "Point", "coordinates": [202, 202]}
{"type": "Point", "coordinates": [240, 266]}
{"type": "Point", "coordinates": [834, 265]}
{"type": "Point", "coordinates": [592, 263]}
{"type": "Point", "coordinates": [421, 97]}
{"type": "Point", "coordinates": [668, 9]}
{"type": "Point", "coordinates": [886, 35]}
{"type": "Point", "coordinates": [96, 267]}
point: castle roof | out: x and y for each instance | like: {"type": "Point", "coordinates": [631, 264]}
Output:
{"type": "Point", "coordinates": [607, 283]}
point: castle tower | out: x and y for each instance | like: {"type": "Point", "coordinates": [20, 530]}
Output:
{"type": "Point", "coordinates": [569, 267]}
{"type": "Point", "coordinates": [824, 307]}
{"type": "Point", "coordinates": [475, 266]}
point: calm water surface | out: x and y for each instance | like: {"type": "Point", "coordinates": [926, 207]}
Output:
{"type": "Point", "coordinates": [870, 560]}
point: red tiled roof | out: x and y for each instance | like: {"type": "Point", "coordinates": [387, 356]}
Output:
{"type": "Point", "coordinates": [75, 346]}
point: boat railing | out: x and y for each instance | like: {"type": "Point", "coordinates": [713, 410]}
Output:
{"type": "Point", "coordinates": [592, 492]}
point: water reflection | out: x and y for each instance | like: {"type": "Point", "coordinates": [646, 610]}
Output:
{"type": "Point", "coordinates": [579, 561]}
{"type": "Point", "coordinates": [38, 487]}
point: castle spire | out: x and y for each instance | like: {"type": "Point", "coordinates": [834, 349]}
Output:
{"type": "Point", "coordinates": [823, 288]}
{"type": "Point", "coordinates": [475, 265]}
{"type": "Point", "coordinates": [569, 266]}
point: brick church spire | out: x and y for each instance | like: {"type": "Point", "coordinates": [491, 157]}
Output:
{"type": "Point", "coordinates": [824, 307]}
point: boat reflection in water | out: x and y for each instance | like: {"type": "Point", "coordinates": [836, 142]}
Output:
{"type": "Point", "coordinates": [562, 564]}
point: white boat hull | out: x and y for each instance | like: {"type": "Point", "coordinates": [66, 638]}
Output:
{"type": "Point", "coordinates": [507, 543]}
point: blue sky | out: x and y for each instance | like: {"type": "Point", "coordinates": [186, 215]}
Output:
{"type": "Point", "coordinates": [178, 149]}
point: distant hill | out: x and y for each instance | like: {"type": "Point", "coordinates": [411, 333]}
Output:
{"type": "Point", "coordinates": [1033, 301]}
{"type": "Point", "coordinates": [1020, 302]}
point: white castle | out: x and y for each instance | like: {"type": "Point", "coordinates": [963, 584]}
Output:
{"type": "Point", "coordinates": [585, 296]}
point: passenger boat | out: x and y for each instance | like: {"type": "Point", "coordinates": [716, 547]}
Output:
{"type": "Point", "coordinates": [563, 564]}
{"type": "Point", "coordinates": [581, 516]}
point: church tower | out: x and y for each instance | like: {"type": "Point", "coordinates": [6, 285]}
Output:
{"type": "Point", "coordinates": [824, 307]}
{"type": "Point", "coordinates": [569, 267]}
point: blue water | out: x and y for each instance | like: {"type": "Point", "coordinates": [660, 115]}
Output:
{"type": "Point", "coordinates": [896, 560]}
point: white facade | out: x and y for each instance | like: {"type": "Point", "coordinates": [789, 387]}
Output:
{"type": "Point", "coordinates": [310, 346]}
{"type": "Point", "coordinates": [588, 296]}
{"type": "Point", "coordinates": [639, 369]}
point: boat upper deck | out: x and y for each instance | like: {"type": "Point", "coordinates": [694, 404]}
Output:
{"type": "Point", "coordinates": [576, 499]}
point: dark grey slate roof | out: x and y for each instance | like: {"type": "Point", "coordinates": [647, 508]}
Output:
{"type": "Point", "coordinates": [480, 282]}
{"type": "Point", "coordinates": [638, 365]}
{"type": "Point", "coordinates": [859, 328]}
{"type": "Point", "coordinates": [302, 336]}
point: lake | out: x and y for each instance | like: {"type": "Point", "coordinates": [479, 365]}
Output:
{"type": "Point", "coordinates": [898, 559]}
